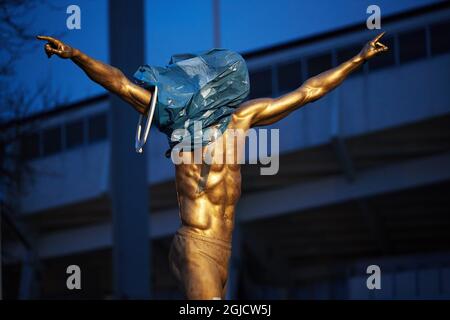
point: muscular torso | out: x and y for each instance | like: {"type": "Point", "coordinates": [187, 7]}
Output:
{"type": "Point", "coordinates": [208, 193]}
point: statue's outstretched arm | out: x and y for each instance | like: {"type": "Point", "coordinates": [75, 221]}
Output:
{"type": "Point", "coordinates": [112, 79]}
{"type": "Point", "coordinates": [269, 110]}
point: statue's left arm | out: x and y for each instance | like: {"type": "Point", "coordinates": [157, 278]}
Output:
{"type": "Point", "coordinates": [266, 111]}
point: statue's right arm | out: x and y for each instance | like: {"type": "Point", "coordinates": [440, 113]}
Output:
{"type": "Point", "coordinates": [112, 79]}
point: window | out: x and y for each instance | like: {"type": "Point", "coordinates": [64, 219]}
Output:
{"type": "Point", "coordinates": [386, 59]}
{"type": "Point", "coordinates": [346, 53]}
{"type": "Point", "coordinates": [319, 64]}
{"type": "Point", "coordinates": [289, 76]}
{"type": "Point", "coordinates": [412, 45]}
{"type": "Point", "coordinates": [440, 38]}
{"type": "Point", "coordinates": [51, 141]}
{"type": "Point", "coordinates": [74, 134]}
{"type": "Point", "coordinates": [29, 145]}
{"type": "Point", "coordinates": [261, 83]}
{"type": "Point", "coordinates": [97, 127]}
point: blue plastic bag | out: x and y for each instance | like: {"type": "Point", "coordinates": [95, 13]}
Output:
{"type": "Point", "coordinates": [204, 87]}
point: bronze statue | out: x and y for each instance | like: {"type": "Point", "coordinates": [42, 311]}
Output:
{"type": "Point", "coordinates": [201, 248]}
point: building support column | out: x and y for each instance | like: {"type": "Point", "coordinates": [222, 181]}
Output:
{"type": "Point", "coordinates": [129, 187]}
{"type": "Point", "coordinates": [27, 287]}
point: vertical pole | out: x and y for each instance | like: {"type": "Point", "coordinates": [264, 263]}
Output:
{"type": "Point", "coordinates": [26, 278]}
{"type": "Point", "coordinates": [129, 188]}
{"type": "Point", "coordinates": [216, 20]}
{"type": "Point", "coordinates": [1, 217]}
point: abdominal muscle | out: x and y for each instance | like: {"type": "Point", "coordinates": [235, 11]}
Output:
{"type": "Point", "coordinates": [207, 196]}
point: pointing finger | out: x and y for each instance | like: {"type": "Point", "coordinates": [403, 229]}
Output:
{"type": "Point", "coordinates": [49, 39]}
{"type": "Point", "coordinates": [378, 37]}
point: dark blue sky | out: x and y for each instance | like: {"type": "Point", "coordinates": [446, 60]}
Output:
{"type": "Point", "coordinates": [174, 26]}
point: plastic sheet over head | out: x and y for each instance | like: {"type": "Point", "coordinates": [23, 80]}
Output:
{"type": "Point", "coordinates": [205, 88]}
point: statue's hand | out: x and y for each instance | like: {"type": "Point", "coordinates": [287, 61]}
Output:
{"type": "Point", "coordinates": [57, 47]}
{"type": "Point", "coordinates": [373, 48]}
